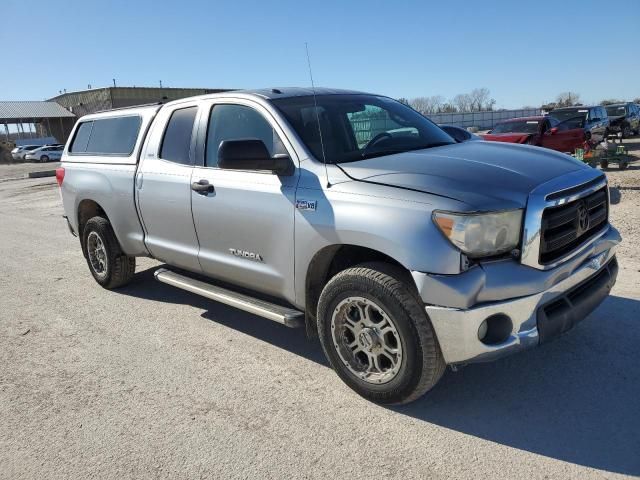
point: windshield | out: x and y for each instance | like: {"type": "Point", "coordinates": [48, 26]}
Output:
{"type": "Point", "coordinates": [355, 127]}
{"type": "Point", "coordinates": [518, 126]}
{"type": "Point", "coordinates": [616, 111]}
{"type": "Point", "coordinates": [575, 117]}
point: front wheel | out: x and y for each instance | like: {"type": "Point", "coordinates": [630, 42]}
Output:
{"type": "Point", "coordinates": [376, 334]}
{"type": "Point", "coordinates": [626, 131]}
{"type": "Point", "coordinates": [108, 264]}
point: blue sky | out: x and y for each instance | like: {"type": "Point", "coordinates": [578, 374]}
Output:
{"type": "Point", "coordinates": [524, 52]}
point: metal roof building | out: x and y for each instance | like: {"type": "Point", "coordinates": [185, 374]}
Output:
{"type": "Point", "coordinates": [41, 119]}
{"type": "Point", "coordinates": [94, 100]}
{"type": "Point", "coordinates": [30, 110]}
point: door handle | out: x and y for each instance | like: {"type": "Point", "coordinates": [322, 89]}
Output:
{"type": "Point", "coordinates": [203, 187]}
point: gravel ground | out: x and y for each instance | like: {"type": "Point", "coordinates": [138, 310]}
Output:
{"type": "Point", "coordinates": [14, 171]}
{"type": "Point", "coordinates": [153, 382]}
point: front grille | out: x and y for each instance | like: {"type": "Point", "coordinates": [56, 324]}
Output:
{"type": "Point", "coordinates": [566, 227]}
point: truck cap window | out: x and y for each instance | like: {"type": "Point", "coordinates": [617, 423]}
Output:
{"type": "Point", "coordinates": [237, 122]}
{"type": "Point", "coordinates": [107, 136]}
{"type": "Point", "coordinates": [177, 137]}
{"type": "Point", "coordinates": [355, 127]}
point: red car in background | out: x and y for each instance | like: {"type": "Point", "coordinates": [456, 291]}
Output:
{"type": "Point", "coordinates": [540, 131]}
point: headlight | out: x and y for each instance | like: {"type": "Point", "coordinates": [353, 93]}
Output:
{"type": "Point", "coordinates": [481, 234]}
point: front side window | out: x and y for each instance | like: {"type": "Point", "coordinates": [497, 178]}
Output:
{"type": "Point", "coordinates": [347, 128]}
{"type": "Point", "coordinates": [177, 137]}
{"type": "Point", "coordinates": [238, 122]}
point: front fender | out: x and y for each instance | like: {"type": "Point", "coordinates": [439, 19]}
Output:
{"type": "Point", "coordinates": [399, 228]}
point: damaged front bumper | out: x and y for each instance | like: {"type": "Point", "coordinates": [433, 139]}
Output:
{"type": "Point", "coordinates": [503, 307]}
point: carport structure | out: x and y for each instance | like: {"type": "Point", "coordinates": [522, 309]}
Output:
{"type": "Point", "coordinates": [33, 119]}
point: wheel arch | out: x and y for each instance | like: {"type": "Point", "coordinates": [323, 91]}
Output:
{"type": "Point", "coordinates": [86, 210]}
{"type": "Point", "coordinates": [331, 260]}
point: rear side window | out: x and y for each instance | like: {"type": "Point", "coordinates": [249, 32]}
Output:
{"type": "Point", "coordinates": [107, 136]}
{"type": "Point", "coordinates": [177, 137]}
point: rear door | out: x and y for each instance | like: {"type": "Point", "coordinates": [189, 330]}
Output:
{"type": "Point", "coordinates": [163, 186]}
{"type": "Point", "coordinates": [245, 222]}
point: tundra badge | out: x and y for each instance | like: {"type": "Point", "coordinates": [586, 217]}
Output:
{"type": "Point", "coordinates": [249, 255]}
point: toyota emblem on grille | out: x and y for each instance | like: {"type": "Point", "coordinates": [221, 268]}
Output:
{"type": "Point", "coordinates": [583, 217]}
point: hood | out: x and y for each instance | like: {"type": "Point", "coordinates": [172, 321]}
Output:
{"type": "Point", "coordinates": [484, 175]}
{"type": "Point", "coordinates": [511, 137]}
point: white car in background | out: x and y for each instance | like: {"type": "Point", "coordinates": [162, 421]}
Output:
{"type": "Point", "coordinates": [45, 154]}
{"type": "Point", "coordinates": [18, 153]}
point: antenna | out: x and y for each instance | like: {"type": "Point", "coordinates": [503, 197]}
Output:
{"type": "Point", "coordinates": [315, 102]}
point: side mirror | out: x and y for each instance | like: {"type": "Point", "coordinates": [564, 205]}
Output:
{"type": "Point", "coordinates": [553, 131]}
{"type": "Point", "coordinates": [251, 154]}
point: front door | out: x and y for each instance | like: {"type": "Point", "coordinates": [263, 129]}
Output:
{"type": "Point", "coordinates": [244, 221]}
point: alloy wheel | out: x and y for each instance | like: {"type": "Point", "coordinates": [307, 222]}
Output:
{"type": "Point", "coordinates": [367, 340]}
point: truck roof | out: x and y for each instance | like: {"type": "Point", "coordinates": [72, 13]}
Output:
{"type": "Point", "coordinates": [285, 92]}
{"type": "Point", "coordinates": [264, 93]}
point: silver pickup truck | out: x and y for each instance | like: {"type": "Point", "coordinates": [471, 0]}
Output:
{"type": "Point", "coordinates": [352, 215]}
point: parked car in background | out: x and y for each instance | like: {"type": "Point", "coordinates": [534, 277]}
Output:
{"type": "Point", "coordinates": [539, 131]}
{"type": "Point", "coordinates": [18, 153]}
{"type": "Point", "coordinates": [594, 120]}
{"type": "Point", "coordinates": [624, 118]}
{"type": "Point", "coordinates": [460, 134]}
{"type": "Point", "coordinates": [45, 154]}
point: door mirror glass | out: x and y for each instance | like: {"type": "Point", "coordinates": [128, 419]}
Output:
{"type": "Point", "coordinates": [251, 154]}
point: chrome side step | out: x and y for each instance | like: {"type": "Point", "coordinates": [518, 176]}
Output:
{"type": "Point", "coordinates": [287, 316]}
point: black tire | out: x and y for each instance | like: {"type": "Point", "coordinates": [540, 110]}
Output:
{"type": "Point", "coordinates": [44, 159]}
{"type": "Point", "coordinates": [623, 165]}
{"type": "Point", "coordinates": [604, 164]}
{"type": "Point", "coordinates": [118, 268]}
{"type": "Point", "coordinates": [422, 364]}
{"type": "Point", "coordinates": [626, 131]}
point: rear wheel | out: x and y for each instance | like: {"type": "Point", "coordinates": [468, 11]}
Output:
{"type": "Point", "coordinates": [626, 131]}
{"type": "Point", "coordinates": [109, 266]}
{"type": "Point", "coordinates": [44, 159]}
{"type": "Point", "coordinates": [376, 334]}
{"type": "Point", "coordinates": [604, 164]}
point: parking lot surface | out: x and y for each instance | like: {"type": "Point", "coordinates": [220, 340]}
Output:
{"type": "Point", "coordinates": [153, 382]}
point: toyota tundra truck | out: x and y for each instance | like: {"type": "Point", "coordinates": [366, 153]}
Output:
{"type": "Point", "coordinates": [348, 214]}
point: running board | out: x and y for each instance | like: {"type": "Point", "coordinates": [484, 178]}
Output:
{"type": "Point", "coordinates": [284, 315]}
